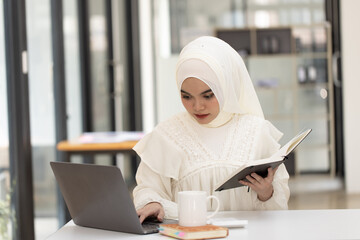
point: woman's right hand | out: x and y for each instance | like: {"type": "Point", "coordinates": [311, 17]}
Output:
{"type": "Point", "coordinates": [153, 209]}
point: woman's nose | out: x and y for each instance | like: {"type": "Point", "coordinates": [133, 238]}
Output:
{"type": "Point", "coordinates": [199, 105]}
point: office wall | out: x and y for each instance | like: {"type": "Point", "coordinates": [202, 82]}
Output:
{"type": "Point", "coordinates": [168, 96]}
{"type": "Point", "coordinates": [350, 37]}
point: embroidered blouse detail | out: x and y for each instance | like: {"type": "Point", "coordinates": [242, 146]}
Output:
{"type": "Point", "coordinates": [179, 159]}
{"type": "Point", "coordinates": [237, 148]}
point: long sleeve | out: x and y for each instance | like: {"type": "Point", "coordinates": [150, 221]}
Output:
{"type": "Point", "coordinates": [160, 165]}
{"type": "Point", "coordinates": [280, 197]}
{"type": "Point", "coordinates": [152, 187]}
{"type": "Point", "coordinates": [268, 145]}
{"type": "Point", "coordinates": [176, 157]}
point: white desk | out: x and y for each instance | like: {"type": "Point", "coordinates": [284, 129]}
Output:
{"type": "Point", "coordinates": [292, 224]}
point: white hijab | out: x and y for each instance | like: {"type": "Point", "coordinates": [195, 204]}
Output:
{"type": "Point", "coordinates": [217, 64]}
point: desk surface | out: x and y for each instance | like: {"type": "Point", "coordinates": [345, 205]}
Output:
{"type": "Point", "coordinates": [291, 224]}
{"type": "Point", "coordinates": [68, 146]}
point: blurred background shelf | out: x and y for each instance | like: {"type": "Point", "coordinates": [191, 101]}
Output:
{"type": "Point", "coordinates": [290, 68]}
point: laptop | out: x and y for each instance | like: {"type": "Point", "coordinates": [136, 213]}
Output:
{"type": "Point", "coordinates": [98, 197]}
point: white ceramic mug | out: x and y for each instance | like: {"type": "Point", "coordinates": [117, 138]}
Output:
{"type": "Point", "coordinates": [192, 208]}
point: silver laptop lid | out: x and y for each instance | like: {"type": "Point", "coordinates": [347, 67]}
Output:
{"type": "Point", "coordinates": [97, 196]}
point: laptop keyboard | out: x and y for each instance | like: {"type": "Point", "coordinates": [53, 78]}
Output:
{"type": "Point", "coordinates": [150, 227]}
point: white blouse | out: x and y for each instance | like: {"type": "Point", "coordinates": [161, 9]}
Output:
{"type": "Point", "coordinates": [182, 155]}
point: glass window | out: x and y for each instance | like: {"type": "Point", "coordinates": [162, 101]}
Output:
{"type": "Point", "coordinates": [99, 66]}
{"type": "Point", "coordinates": [266, 13]}
{"type": "Point", "coordinates": [72, 69]}
{"type": "Point", "coordinates": [191, 19]}
{"type": "Point", "coordinates": [4, 137]}
{"type": "Point", "coordinates": [42, 121]}
{"type": "Point", "coordinates": [100, 83]}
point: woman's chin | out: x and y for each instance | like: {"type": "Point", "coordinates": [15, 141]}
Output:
{"type": "Point", "coordinates": [205, 120]}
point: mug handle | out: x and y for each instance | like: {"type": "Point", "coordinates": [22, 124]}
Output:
{"type": "Point", "coordinates": [217, 206]}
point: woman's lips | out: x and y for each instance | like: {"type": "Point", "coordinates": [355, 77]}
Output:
{"type": "Point", "coordinates": [201, 116]}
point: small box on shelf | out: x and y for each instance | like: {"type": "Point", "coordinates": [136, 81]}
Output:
{"type": "Point", "coordinates": [239, 39]}
{"type": "Point", "coordinates": [274, 41]}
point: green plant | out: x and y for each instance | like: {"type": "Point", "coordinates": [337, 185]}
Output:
{"type": "Point", "coordinates": [6, 216]}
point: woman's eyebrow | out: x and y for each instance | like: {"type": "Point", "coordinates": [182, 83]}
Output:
{"type": "Point", "coordinates": [184, 92]}
{"type": "Point", "coordinates": [206, 91]}
{"type": "Point", "coordinates": [209, 90]}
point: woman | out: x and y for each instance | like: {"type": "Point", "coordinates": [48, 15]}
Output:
{"type": "Point", "coordinates": [223, 128]}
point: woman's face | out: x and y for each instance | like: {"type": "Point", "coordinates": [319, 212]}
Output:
{"type": "Point", "coordinates": [199, 100]}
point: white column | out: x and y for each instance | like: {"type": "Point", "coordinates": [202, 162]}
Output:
{"type": "Point", "coordinates": [350, 37]}
{"type": "Point", "coordinates": [147, 65]}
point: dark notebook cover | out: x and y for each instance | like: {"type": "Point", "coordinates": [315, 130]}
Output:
{"type": "Point", "coordinates": [260, 166]}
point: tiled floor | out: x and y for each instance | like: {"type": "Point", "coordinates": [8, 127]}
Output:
{"type": "Point", "coordinates": [320, 192]}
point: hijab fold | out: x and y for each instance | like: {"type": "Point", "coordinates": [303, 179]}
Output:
{"type": "Point", "coordinates": [217, 64]}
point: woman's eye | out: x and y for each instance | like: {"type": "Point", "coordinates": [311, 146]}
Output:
{"type": "Point", "coordinates": [185, 97]}
{"type": "Point", "coordinates": [209, 96]}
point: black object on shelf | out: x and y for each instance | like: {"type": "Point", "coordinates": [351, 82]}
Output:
{"type": "Point", "coordinates": [239, 39]}
{"type": "Point", "coordinates": [273, 41]}
{"type": "Point", "coordinates": [312, 71]}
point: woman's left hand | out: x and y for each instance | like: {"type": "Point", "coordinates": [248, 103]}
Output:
{"type": "Point", "coordinates": [262, 186]}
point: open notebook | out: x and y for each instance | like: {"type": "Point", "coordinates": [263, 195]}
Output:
{"type": "Point", "coordinates": [261, 166]}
